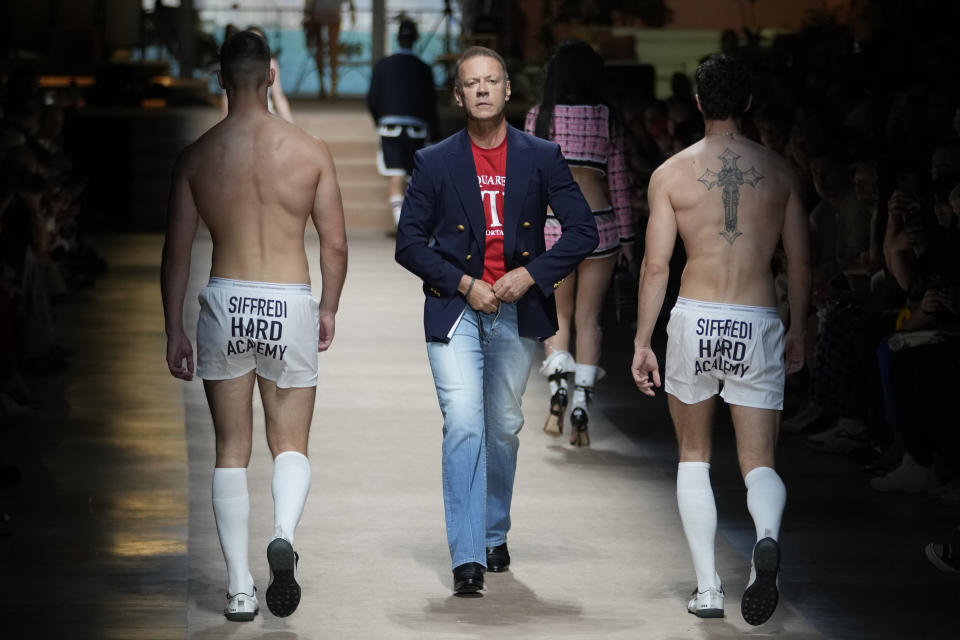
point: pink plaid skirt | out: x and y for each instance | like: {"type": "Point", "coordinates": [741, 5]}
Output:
{"type": "Point", "coordinates": [606, 228]}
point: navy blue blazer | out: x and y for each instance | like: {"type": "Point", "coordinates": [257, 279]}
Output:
{"type": "Point", "coordinates": [442, 228]}
{"type": "Point", "coordinates": [402, 85]}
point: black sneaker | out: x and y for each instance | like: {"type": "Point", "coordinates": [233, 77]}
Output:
{"type": "Point", "coordinates": [762, 594]}
{"type": "Point", "coordinates": [283, 593]}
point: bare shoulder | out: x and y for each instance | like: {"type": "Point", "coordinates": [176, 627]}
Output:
{"type": "Point", "coordinates": [306, 146]}
{"type": "Point", "coordinates": [187, 160]}
{"type": "Point", "coordinates": [675, 167]}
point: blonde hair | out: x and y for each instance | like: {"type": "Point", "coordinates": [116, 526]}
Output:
{"type": "Point", "coordinates": [474, 52]}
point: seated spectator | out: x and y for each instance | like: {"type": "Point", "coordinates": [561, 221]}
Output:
{"type": "Point", "coordinates": [922, 251]}
{"type": "Point", "coordinates": [23, 250]}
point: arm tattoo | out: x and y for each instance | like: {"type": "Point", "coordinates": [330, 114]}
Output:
{"type": "Point", "coordinates": [729, 179]}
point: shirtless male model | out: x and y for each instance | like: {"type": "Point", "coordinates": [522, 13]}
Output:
{"type": "Point", "coordinates": [732, 202]}
{"type": "Point", "coordinates": [255, 180]}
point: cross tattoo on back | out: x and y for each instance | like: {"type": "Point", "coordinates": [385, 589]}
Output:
{"type": "Point", "coordinates": [730, 178]}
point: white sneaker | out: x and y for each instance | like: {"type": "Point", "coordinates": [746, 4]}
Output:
{"type": "Point", "coordinates": [707, 604]}
{"type": "Point", "coordinates": [909, 477]}
{"type": "Point", "coordinates": [846, 435]}
{"type": "Point", "coordinates": [242, 607]}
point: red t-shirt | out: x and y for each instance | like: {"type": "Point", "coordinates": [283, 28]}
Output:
{"type": "Point", "coordinates": [492, 175]}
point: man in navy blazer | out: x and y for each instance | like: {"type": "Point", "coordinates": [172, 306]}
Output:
{"type": "Point", "coordinates": [472, 230]}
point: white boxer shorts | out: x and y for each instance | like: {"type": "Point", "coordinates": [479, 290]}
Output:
{"type": "Point", "coordinates": [737, 347]}
{"type": "Point", "coordinates": [273, 328]}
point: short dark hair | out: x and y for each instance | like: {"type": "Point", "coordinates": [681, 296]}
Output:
{"type": "Point", "coordinates": [260, 32]}
{"type": "Point", "coordinates": [475, 52]}
{"type": "Point", "coordinates": [723, 84]}
{"type": "Point", "coordinates": [407, 33]}
{"type": "Point", "coordinates": [245, 60]}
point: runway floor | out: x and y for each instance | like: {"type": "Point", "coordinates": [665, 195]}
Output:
{"type": "Point", "coordinates": [112, 534]}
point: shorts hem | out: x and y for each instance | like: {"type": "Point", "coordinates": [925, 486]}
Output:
{"type": "Point", "coordinates": [218, 376]}
{"type": "Point", "coordinates": [295, 385]}
{"type": "Point", "coordinates": [749, 404]}
{"type": "Point", "coordinates": [685, 401]}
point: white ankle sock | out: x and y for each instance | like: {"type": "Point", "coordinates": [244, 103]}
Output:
{"type": "Point", "coordinates": [558, 362]}
{"type": "Point", "coordinates": [584, 376]}
{"type": "Point", "coordinates": [291, 483]}
{"type": "Point", "coordinates": [396, 205]}
{"type": "Point", "coordinates": [231, 510]}
{"type": "Point", "coordinates": [766, 497]}
{"type": "Point", "coordinates": [698, 512]}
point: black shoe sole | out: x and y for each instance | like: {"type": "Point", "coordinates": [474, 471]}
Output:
{"type": "Point", "coordinates": [283, 594]}
{"type": "Point", "coordinates": [240, 617]}
{"type": "Point", "coordinates": [468, 587]}
{"type": "Point", "coordinates": [761, 598]}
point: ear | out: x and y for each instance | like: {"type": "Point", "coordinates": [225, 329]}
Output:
{"type": "Point", "coordinates": [458, 95]}
{"type": "Point", "coordinates": [508, 90]}
{"type": "Point", "coordinates": [749, 103]}
{"type": "Point", "coordinates": [220, 81]}
{"type": "Point", "coordinates": [699, 106]}
{"type": "Point", "coordinates": [272, 78]}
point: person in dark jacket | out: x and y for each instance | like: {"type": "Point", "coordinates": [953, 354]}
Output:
{"type": "Point", "coordinates": [403, 103]}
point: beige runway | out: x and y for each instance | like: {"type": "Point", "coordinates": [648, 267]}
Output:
{"type": "Point", "coordinates": [113, 535]}
{"type": "Point", "coordinates": [597, 547]}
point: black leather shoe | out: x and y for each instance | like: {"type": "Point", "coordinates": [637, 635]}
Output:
{"type": "Point", "coordinates": [468, 578]}
{"type": "Point", "coordinates": [498, 558]}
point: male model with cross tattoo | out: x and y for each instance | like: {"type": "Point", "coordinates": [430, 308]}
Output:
{"type": "Point", "coordinates": [724, 335]}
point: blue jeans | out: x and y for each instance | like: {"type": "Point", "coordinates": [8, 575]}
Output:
{"type": "Point", "coordinates": [480, 376]}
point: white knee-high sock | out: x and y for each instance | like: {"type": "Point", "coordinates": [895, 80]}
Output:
{"type": "Point", "coordinates": [698, 512]}
{"type": "Point", "coordinates": [291, 483]}
{"type": "Point", "coordinates": [231, 510]}
{"type": "Point", "coordinates": [396, 204]}
{"type": "Point", "coordinates": [766, 497]}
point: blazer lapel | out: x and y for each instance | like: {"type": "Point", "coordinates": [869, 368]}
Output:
{"type": "Point", "coordinates": [519, 166]}
{"type": "Point", "coordinates": [463, 174]}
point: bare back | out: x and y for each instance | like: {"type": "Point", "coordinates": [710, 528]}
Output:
{"type": "Point", "coordinates": [730, 198]}
{"type": "Point", "coordinates": [256, 180]}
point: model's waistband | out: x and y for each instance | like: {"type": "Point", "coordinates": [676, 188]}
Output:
{"type": "Point", "coordinates": [279, 287]}
{"type": "Point", "coordinates": [724, 307]}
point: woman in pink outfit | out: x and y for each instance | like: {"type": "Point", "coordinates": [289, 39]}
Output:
{"type": "Point", "coordinates": [575, 115]}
